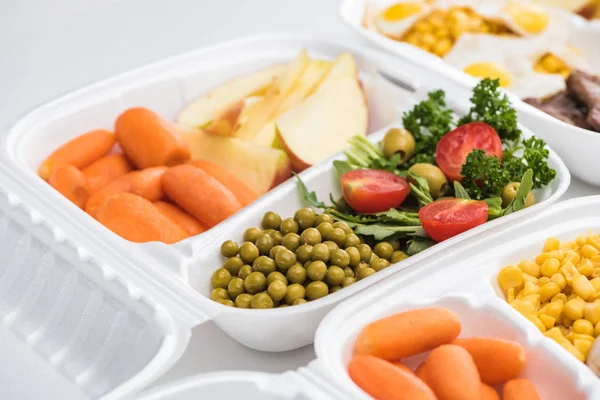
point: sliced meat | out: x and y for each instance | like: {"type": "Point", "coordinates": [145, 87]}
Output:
{"type": "Point", "coordinates": [593, 119]}
{"type": "Point", "coordinates": [563, 107]}
{"type": "Point", "coordinates": [584, 88]}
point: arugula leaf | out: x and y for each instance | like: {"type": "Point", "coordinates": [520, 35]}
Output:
{"type": "Point", "coordinates": [460, 192]}
{"type": "Point", "coordinates": [420, 189]}
{"type": "Point", "coordinates": [494, 207]}
{"type": "Point", "coordinates": [525, 187]}
{"type": "Point", "coordinates": [381, 231]}
{"type": "Point", "coordinates": [341, 167]}
{"type": "Point", "coordinates": [310, 198]}
{"type": "Point", "coordinates": [390, 216]}
{"type": "Point", "coordinates": [419, 244]}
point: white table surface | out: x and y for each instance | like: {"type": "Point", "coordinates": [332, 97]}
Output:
{"type": "Point", "coordinates": [51, 47]}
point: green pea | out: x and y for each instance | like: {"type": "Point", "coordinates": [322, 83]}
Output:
{"type": "Point", "coordinates": [261, 300]}
{"type": "Point", "coordinates": [384, 250]}
{"type": "Point", "coordinates": [277, 290]}
{"type": "Point", "coordinates": [233, 265]}
{"type": "Point", "coordinates": [274, 251]}
{"type": "Point", "coordinates": [276, 236]}
{"type": "Point", "coordinates": [235, 287]}
{"type": "Point", "coordinates": [331, 245]}
{"type": "Point", "coordinates": [349, 271]}
{"type": "Point", "coordinates": [343, 226]}
{"type": "Point", "coordinates": [264, 243]}
{"type": "Point", "coordinates": [245, 270]}
{"type": "Point", "coordinates": [365, 252]}
{"type": "Point", "coordinates": [305, 217]}
{"type": "Point", "coordinates": [229, 248]}
{"type": "Point", "coordinates": [325, 229]}
{"type": "Point", "coordinates": [398, 256]}
{"type": "Point", "coordinates": [338, 236]}
{"type": "Point", "coordinates": [349, 280]}
{"type": "Point", "coordinates": [334, 289]}
{"type": "Point", "coordinates": [289, 225]}
{"type": "Point", "coordinates": [361, 265]}
{"type": "Point", "coordinates": [335, 276]}
{"type": "Point", "coordinates": [298, 302]}
{"type": "Point", "coordinates": [340, 258]}
{"type": "Point", "coordinates": [365, 272]}
{"type": "Point", "coordinates": [251, 234]}
{"type": "Point", "coordinates": [351, 240]}
{"type": "Point", "coordinates": [322, 218]}
{"type": "Point", "coordinates": [249, 251]}
{"type": "Point", "coordinates": [264, 265]}
{"type": "Point", "coordinates": [296, 274]}
{"type": "Point", "coordinates": [271, 220]}
{"type": "Point", "coordinates": [294, 292]}
{"type": "Point", "coordinates": [227, 303]}
{"type": "Point", "coordinates": [220, 278]}
{"type": "Point", "coordinates": [304, 253]}
{"type": "Point", "coordinates": [354, 256]}
{"type": "Point", "coordinates": [219, 294]}
{"type": "Point", "coordinates": [285, 258]}
{"type": "Point", "coordinates": [243, 300]}
{"type": "Point", "coordinates": [276, 276]}
{"type": "Point", "coordinates": [255, 283]}
{"type": "Point", "coordinates": [380, 264]}
{"type": "Point", "coordinates": [316, 290]}
{"type": "Point", "coordinates": [310, 236]}
{"type": "Point", "coordinates": [291, 241]}
{"type": "Point", "coordinates": [373, 257]}
{"type": "Point", "coordinates": [316, 271]}
{"type": "Point", "coordinates": [320, 252]}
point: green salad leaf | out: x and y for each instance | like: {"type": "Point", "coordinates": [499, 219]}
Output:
{"type": "Point", "coordinates": [525, 187]}
{"type": "Point", "coordinates": [310, 198]}
{"type": "Point", "coordinates": [460, 192]}
{"type": "Point", "coordinates": [420, 189]}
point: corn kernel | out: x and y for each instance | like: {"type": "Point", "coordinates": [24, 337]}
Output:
{"type": "Point", "coordinates": [543, 280]}
{"type": "Point", "coordinates": [567, 322]}
{"type": "Point", "coordinates": [510, 277]}
{"type": "Point", "coordinates": [583, 288]}
{"type": "Point", "coordinates": [530, 278]}
{"type": "Point", "coordinates": [412, 38]}
{"type": "Point", "coordinates": [547, 320]}
{"type": "Point", "coordinates": [526, 308]}
{"type": "Point", "coordinates": [555, 310]}
{"type": "Point", "coordinates": [564, 330]}
{"type": "Point", "coordinates": [594, 240]}
{"type": "Point", "coordinates": [571, 256]}
{"type": "Point", "coordinates": [442, 47]}
{"type": "Point", "coordinates": [569, 271]}
{"type": "Point", "coordinates": [561, 297]}
{"type": "Point", "coordinates": [597, 329]}
{"type": "Point", "coordinates": [552, 243]}
{"type": "Point", "coordinates": [554, 334]}
{"type": "Point", "coordinates": [583, 326]}
{"type": "Point", "coordinates": [584, 347]}
{"type": "Point", "coordinates": [441, 32]}
{"type": "Point", "coordinates": [529, 267]}
{"type": "Point", "coordinates": [595, 298]}
{"type": "Point", "coordinates": [520, 295]}
{"type": "Point", "coordinates": [539, 260]}
{"type": "Point", "coordinates": [423, 26]}
{"type": "Point", "coordinates": [596, 272]}
{"type": "Point", "coordinates": [581, 240]}
{"type": "Point", "coordinates": [568, 246]}
{"type": "Point", "coordinates": [530, 288]}
{"type": "Point", "coordinates": [589, 251]}
{"type": "Point", "coordinates": [574, 309]}
{"type": "Point", "coordinates": [560, 280]}
{"type": "Point", "coordinates": [581, 336]}
{"type": "Point", "coordinates": [427, 40]}
{"type": "Point", "coordinates": [591, 312]}
{"type": "Point", "coordinates": [596, 283]}
{"type": "Point", "coordinates": [548, 291]}
{"type": "Point", "coordinates": [585, 267]}
{"type": "Point", "coordinates": [550, 267]}
{"type": "Point", "coordinates": [537, 322]}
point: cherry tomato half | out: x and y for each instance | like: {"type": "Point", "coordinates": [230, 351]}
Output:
{"type": "Point", "coordinates": [370, 191]}
{"type": "Point", "coordinates": [445, 218]}
{"type": "Point", "coordinates": [454, 147]}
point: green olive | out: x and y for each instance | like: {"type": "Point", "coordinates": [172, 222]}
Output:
{"type": "Point", "coordinates": [343, 226]}
{"type": "Point", "coordinates": [255, 282]}
{"type": "Point", "coordinates": [331, 245]}
{"type": "Point", "coordinates": [365, 272]}
{"type": "Point", "coordinates": [294, 292]}
{"type": "Point", "coordinates": [398, 256]}
{"type": "Point", "coordinates": [340, 258]}
{"type": "Point", "coordinates": [380, 264]}
{"type": "Point", "coordinates": [276, 276]}
{"type": "Point", "coordinates": [316, 290]}
{"type": "Point", "coordinates": [349, 280]}
{"type": "Point", "coordinates": [288, 225]}
{"type": "Point", "coordinates": [233, 265]}
{"type": "Point", "coordinates": [305, 217]}
{"type": "Point", "coordinates": [274, 251]}
{"type": "Point", "coordinates": [249, 251]}
{"type": "Point", "coordinates": [310, 236]}
{"type": "Point", "coordinates": [261, 300]}
{"type": "Point", "coordinates": [243, 300]}
{"type": "Point", "coordinates": [229, 248]}
{"type": "Point", "coordinates": [304, 253]}
{"type": "Point", "coordinates": [365, 252]}
{"type": "Point", "coordinates": [227, 303]}
{"type": "Point", "coordinates": [283, 305]}
{"type": "Point", "coordinates": [352, 240]}
{"type": "Point", "coordinates": [316, 271]}
{"type": "Point", "coordinates": [384, 250]}
{"type": "Point", "coordinates": [338, 236]}
{"type": "Point", "coordinates": [354, 255]}
{"type": "Point", "coordinates": [438, 184]}
{"type": "Point", "coordinates": [335, 276]}
{"type": "Point", "coordinates": [349, 271]}
{"type": "Point", "coordinates": [510, 191]}
{"type": "Point", "coordinates": [323, 218]}
{"type": "Point", "coordinates": [277, 290]}
{"type": "Point", "coordinates": [296, 274]}
{"type": "Point", "coordinates": [320, 252]}
{"type": "Point", "coordinates": [399, 141]}
{"type": "Point", "coordinates": [235, 287]}
{"type": "Point", "coordinates": [325, 229]}
{"type": "Point", "coordinates": [277, 237]}
{"type": "Point", "coordinates": [264, 265]}
{"type": "Point", "coordinates": [285, 259]}
{"type": "Point", "coordinates": [264, 244]}
{"type": "Point", "coordinates": [244, 271]}
{"type": "Point", "coordinates": [291, 241]}
{"type": "Point", "coordinates": [251, 234]}
{"type": "Point", "coordinates": [298, 302]}
{"type": "Point", "coordinates": [219, 294]}
{"type": "Point", "coordinates": [271, 220]}
{"type": "Point", "coordinates": [220, 278]}
{"type": "Point", "coordinates": [334, 289]}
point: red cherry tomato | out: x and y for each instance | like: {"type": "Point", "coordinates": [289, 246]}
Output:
{"type": "Point", "coordinates": [454, 147]}
{"type": "Point", "coordinates": [445, 218]}
{"type": "Point", "coordinates": [370, 191]}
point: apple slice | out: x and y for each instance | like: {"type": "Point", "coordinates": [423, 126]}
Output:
{"type": "Point", "coordinates": [261, 168]}
{"type": "Point", "coordinates": [225, 101]}
{"type": "Point", "coordinates": [343, 67]}
{"type": "Point", "coordinates": [321, 126]}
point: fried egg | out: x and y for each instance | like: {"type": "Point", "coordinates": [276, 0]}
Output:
{"type": "Point", "coordinates": [397, 18]}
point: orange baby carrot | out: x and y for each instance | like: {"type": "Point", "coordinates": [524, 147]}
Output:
{"type": "Point", "coordinates": [180, 217]}
{"type": "Point", "coordinates": [420, 371]}
{"type": "Point", "coordinates": [105, 170]}
{"type": "Point", "coordinates": [147, 183]}
{"type": "Point", "coordinates": [240, 190]}
{"type": "Point", "coordinates": [421, 330]}
{"type": "Point", "coordinates": [199, 194]}
{"type": "Point", "coordinates": [497, 360]}
{"type": "Point", "coordinates": [149, 140]}
{"type": "Point", "coordinates": [71, 183]}
{"type": "Point", "coordinates": [136, 219]}
{"type": "Point", "coordinates": [384, 381]}
{"type": "Point", "coordinates": [79, 152]}
{"type": "Point", "coordinates": [402, 366]}
{"type": "Point", "coordinates": [519, 389]}
{"type": "Point", "coordinates": [451, 373]}
{"type": "Point", "coordinates": [488, 393]}
{"type": "Point", "coordinates": [101, 197]}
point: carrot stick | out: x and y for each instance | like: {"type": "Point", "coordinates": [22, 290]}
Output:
{"type": "Point", "coordinates": [402, 366]}
{"type": "Point", "coordinates": [180, 217]}
{"type": "Point", "coordinates": [101, 197]}
{"type": "Point", "coordinates": [199, 194]}
{"type": "Point", "coordinates": [71, 183]}
{"type": "Point", "coordinates": [105, 170]}
{"type": "Point", "coordinates": [79, 152]}
{"type": "Point", "coordinates": [488, 393]}
{"type": "Point", "coordinates": [519, 389]}
{"type": "Point", "coordinates": [420, 371]}
{"type": "Point", "coordinates": [385, 381]}
{"type": "Point", "coordinates": [422, 330]}
{"type": "Point", "coordinates": [240, 190]}
{"type": "Point", "coordinates": [136, 219]}
{"type": "Point", "coordinates": [147, 183]}
{"type": "Point", "coordinates": [149, 140]}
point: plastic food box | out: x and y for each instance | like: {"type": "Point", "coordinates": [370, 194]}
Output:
{"type": "Point", "coordinates": [577, 146]}
{"type": "Point", "coordinates": [101, 316]}
{"type": "Point", "coordinates": [464, 282]}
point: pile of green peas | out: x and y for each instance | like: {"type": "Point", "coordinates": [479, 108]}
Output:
{"type": "Point", "coordinates": [295, 260]}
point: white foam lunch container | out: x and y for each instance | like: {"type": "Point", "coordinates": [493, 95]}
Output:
{"type": "Point", "coordinates": [103, 317]}
{"type": "Point", "coordinates": [577, 147]}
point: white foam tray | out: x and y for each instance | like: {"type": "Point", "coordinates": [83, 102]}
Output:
{"type": "Point", "coordinates": [578, 147]}
{"type": "Point", "coordinates": [464, 282]}
{"type": "Point", "coordinates": [113, 315]}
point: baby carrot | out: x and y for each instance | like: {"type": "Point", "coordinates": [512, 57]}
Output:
{"type": "Point", "coordinates": [402, 366]}
{"type": "Point", "coordinates": [408, 333]}
{"type": "Point", "coordinates": [147, 183]}
{"type": "Point", "coordinates": [149, 140]}
{"type": "Point", "coordinates": [105, 170]}
{"type": "Point", "coordinates": [180, 217]}
{"type": "Point", "coordinates": [451, 373]}
{"type": "Point", "coordinates": [497, 360]}
{"type": "Point", "coordinates": [384, 381]}
{"type": "Point", "coordinates": [488, 393]}
{"type": "Point", "coordinates": [199, 194]}
{"type": "Point", "coordinates": [519, 389]}
{"type": "Point", "coordinates": [101, 197]}
{"type": "Point", "coordinates": [71, 183]}
{"type": "Point", "coordinates": [240, 190]}
{"type": "Point", "coordinates": [136, 219]}
{"type": "Point", "coordinates": [420, 371]}
{"type": "Point", "coordinates": [79, 152]}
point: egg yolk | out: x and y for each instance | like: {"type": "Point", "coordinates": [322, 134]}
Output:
{"type": "Point", "coordinates": [490, 70]}
{"type": "Point", "coordinates": [399, 11]}
{"type": "Point", "coordinates": [530, 17]}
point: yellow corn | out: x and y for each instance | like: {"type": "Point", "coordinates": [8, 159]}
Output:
{"type": "Point", "coordinates": [550, 267]}
{"type": "Point", "coordinates": [571, 256]}
{"type": "Point", "coordinates": [597, 329]}
{"type": "Point", "coordinates": [510, 295]}
{"type": "Point", "coordinates": [596, 283]}
{"type": "Point", "coordinates": [551, 244]}
{"type": "Point", "coordinates": [583, 288]}
{"type": "Point", "coordinates": [564, 330]}
{"type": "Point", "coordinates": [548, 255]}
{"type": "Point", "coordinates": [531, 288]}
{"type": "Point", "coordinates": [423, 26]}
{"type": "Point", "coordinates": [585, 267]}
{"type": "Point", "coordinates": [547, 320]}
{"type": "Point", "coordinates": [591, 312]}
{"type": "Point", "coordinates": [543, 280]}
{"type": "Point", "coordinates": [561, 297]}
{"type": "Point", "coordinates": [442, 47]}
{"type": "Point", "coordinates": [529, 267]}
{"type": "Point", "coordinates": [510, 277]}
{"type": "Point", "coordinates": [581, 240]}
{"type": "Point", "coordinates": [520, 295]}
{"type": "Point", "coordinates": [567, 322]}
{"type": "Point", "coordinates": [584, 347]}
{"type": "Point", "coordinates": [568, 246]}
{"type": "Point", "coordinates": [533, 299]}
{"type": "Point", "coordinates": [581, 336]}
{"type": "Point", "coordinates": [594, 240]}
{"type": "Point", "coordinates": [555, 310]}
{"type": "Point", "coordinates": [569, 271]}
{"type": "Point", "coordinates": [596, 272]}
{"type": "Point", "coordinates": [595, 298]}
{"type": "Point", "coordinates": [530, 278]}
{"type": "Point", "coordinates": [548, 291]}
{"type": "Point", "coordinates": [574, 309]}
{"type": "Point", "coordinates": [583, 326]}
{"type": "Point", "coordinates": [560, 280]}
{"type": "Point", "coordinates": [589, 251]}
{"type": "Point", "coordinates": [536, 321]}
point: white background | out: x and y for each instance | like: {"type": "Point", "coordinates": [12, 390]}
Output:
{"type": "Point", "coordinates": [49, 47]}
